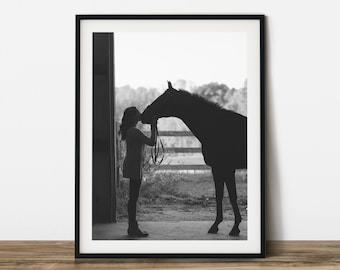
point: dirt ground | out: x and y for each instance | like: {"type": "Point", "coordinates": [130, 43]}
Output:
{"type": "Point", "coordinates": [180, 196]}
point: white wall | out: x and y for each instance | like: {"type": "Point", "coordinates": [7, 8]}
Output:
{"type": "Point", "coordinates": [37, 97]}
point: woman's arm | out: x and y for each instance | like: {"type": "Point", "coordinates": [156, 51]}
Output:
{"type": "Point", "coordinates": [138, 135]}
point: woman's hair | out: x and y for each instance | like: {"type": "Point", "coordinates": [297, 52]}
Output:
{"type": "Point", "coordinates": [128, 120]}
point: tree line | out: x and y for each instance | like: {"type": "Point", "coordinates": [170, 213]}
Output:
{"type": "Point", "coordinates": [229, 98]}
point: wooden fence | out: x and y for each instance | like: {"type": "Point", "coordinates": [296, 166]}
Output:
{"type": "Point", "coordinates": [175, 150]}
{"type": "Point", "coordinates": [167, 150]}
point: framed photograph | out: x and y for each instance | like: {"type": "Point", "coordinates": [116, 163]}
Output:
{"type": "Point", "coordinates": [170, 136]}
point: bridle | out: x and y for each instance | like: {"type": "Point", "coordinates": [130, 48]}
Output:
{"type": "Point", "coordinates": [157, 152]}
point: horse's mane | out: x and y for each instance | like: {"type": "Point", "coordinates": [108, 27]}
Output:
{"type": "Point", "coordinates": [199, 100]}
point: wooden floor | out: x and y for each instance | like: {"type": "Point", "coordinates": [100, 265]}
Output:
{"type": "Point", "coordinates": [60, 255]}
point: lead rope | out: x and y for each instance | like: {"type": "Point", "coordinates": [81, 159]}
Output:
{"type": "Point", "coordinates": [157, 152]}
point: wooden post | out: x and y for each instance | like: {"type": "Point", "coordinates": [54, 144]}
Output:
{"type": "Point", "coordinates": [117, 155]}
{"type": "Point", "coordinates": [104, 162]}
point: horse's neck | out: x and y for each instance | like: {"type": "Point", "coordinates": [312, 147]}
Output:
{"type": "Point", "coordinates": [193, 116]}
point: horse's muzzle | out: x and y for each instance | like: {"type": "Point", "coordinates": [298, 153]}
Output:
{"type": "Point", "coordinates": [143, 119]}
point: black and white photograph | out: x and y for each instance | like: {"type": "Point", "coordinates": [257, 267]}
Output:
{"type": "Point", "coordinates": [170, 136]}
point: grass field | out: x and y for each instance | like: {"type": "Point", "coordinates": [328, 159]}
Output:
{"type": "Point", "coordinates": [180, 197]}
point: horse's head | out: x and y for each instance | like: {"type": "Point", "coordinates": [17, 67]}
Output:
{"type": "Point", "coordinates": [163, 106]}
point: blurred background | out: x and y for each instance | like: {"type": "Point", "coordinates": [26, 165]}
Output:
{"type": "Point", "coordinates": [210, 64]}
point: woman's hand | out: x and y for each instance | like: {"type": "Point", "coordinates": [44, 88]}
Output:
{"type": "Point", "coordinates": [154, 122]}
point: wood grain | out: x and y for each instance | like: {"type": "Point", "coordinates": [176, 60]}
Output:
{"type": "Point", "coordinates": [60, 255]}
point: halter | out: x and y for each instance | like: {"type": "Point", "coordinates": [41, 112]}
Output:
{"type": "Point", "coordinates": [157, 152]}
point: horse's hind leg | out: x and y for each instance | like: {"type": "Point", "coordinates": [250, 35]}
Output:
{"type": "Point", "coordinates": [231, 186]}
{"type": "Point", "coordinates": [219, 192]}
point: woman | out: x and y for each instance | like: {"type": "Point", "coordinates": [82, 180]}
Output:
{"type": "Point", "coordinates": [132, 166]}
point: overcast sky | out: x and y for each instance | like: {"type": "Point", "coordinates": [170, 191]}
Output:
{"type": "Point", "coordinates": [149, 59]}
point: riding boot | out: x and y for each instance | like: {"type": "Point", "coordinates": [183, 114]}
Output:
{"type": "Point", "coordinates": [133, 229]}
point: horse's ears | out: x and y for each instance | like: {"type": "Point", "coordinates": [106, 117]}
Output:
{"type": "Point", "coordinates": [170, 86]}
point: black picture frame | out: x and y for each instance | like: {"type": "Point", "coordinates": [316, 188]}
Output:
{"type": "Point", "coordinates": [81, 245]}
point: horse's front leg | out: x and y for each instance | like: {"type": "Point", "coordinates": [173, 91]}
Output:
{"type": "Point", "coordinates": [219, 192]}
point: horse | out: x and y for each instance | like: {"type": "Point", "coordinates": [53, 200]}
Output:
{"type": "Point", "coordinates": [223, 137]}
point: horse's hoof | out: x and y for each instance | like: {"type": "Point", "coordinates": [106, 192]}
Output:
{"type": "Point", "coordinates": [234, 232]}
{"type": "Point", "coordinates": [213, 229]}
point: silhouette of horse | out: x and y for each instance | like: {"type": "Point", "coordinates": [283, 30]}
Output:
{"type": "Point", "coordinates": [222, 134]}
